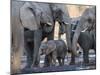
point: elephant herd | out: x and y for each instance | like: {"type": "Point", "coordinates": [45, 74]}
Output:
{"type": "Point", "coordinates": [31, 22]}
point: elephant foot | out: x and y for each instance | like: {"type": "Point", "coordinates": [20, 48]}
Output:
{"type": "Point", "coordinates": [46, 65]}
{"type": "Point", "coordinates": [72, 63]}
{"type": "Point", "coordinates": [85, 63]}
{"type": "Point", "coordinates": [35, 66]}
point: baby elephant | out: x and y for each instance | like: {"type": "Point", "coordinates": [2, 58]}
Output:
{"type": "Point", "coordinates": [55, 49]}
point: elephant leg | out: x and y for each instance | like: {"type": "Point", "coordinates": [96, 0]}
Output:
{"type": "Point", "coordinates": [49, 37]}
{"type": "Point", "coordinates": [29, 56]}
{"type": "Point", "coordinates": [59, 60]}
{"type": "Point", "coordinates": [85, 56]}
{"type": "Point", "coordinates": [63, 61]}
{"type": "Point", "coordinates": [54, 58]}
{"type": "Point", "coordinates": [18, 46]}
{"type": "Point", "coordinates": [68, 37]}
{"type": "Point", "coordinates": [46, 61]}
{"type": "Point", "coordinates": [37, 42]}
{"type": "Point", "coordinates": [72, 59]}
{"type": "Point", "coordinates": [15, 66]}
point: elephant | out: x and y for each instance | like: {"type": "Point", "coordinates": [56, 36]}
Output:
{"type": "Point", "coordinates": [74, 23]}
{"type": "Point", "coordinates": [29, 45]}
{"type": "Point", "coordinates": [57, 49]}
{"type": "Point", "coordinates": [86, 23]}
{"type": "Point", "coordinates": [61, 15]}
{"type": "Point", "coordinates": [87, 41]}
{"type": "Point", "coordinates": [23, 17]}
{"type": "Point", "coordinates": [17, 41]}
{"type": "Point", "coordinates": [37, 17]}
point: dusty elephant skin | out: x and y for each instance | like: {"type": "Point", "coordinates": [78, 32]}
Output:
{"type": "Point", "coordinates": [87, 21]}
{"type": "Point", "coordinates": [17, 36]}
{"type": "Point", "coordinates": [55, 49]}
{"type": "Point", "coordinates": [39, 19]}
{"type": "Point", "coordinates": [31, 22]}
{"type": "Point", "coordinates": [23, 16]}
{"type": "Point", "coordinates": [61, 14]}
{"type": "Point", "coordinates": [87, 40]}
{"type": "Point", "coordinates": [29, 45]}
{"type": "Point", "coordinates": [62, 17]}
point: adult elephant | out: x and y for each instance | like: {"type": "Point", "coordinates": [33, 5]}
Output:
{"type": "Point", "coordinates": [87, 41]}
{"type": "Point", "coordinates": [88, 22]}
{"type": "Point", "coordinates": [37, 17]}
{"type": "Point", "coordinates": [32, 16]}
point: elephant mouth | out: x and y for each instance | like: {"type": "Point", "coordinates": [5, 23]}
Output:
{"type": "Point", "coordinates": [47, 28]}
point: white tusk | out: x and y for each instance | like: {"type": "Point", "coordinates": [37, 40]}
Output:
{"type": "Point", "coordinates": [49, 23]}
{"type": "Point", "coordinates": [66, 23]}
{"type": "Point", "coordinates": [84, 30]}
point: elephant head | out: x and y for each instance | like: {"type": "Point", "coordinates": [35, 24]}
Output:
{"type": "Point", "coordinates": [47, 47]}
{"type": "Point", "coordinates": [87, 22]}
{"type": "Point", "coordinates": [61, 14]}
{"type": "Point", "coordinates": [47, 27]}
{"type": "Point", "coordinates": [36, 15]}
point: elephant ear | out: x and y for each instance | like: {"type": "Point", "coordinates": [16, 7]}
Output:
{"type": "Point", "coordinates": [27, 17]}
{"type": "Point", "coordinates": [51, 47]}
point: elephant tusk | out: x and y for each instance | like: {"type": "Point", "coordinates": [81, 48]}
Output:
{"type": "Point", "coordinates": [66, 23]}
{"type": "Point", "coordinates": [50, 24]}
{"type": "Point", "coordinates": [84, 30]}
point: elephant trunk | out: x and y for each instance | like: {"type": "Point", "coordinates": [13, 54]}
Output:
{"type": "Point", "coordinates": [75, 39]}
{"type": "Point", "coordinates": [68, 36]}
{"type": "Point", "coordinates": [37, 42]}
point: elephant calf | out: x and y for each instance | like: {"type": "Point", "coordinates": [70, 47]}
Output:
{"type": "Point", "coordinates": [55, 49]}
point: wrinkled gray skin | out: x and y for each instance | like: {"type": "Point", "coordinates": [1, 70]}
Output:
{"type": "Point", "coordinates": [17, 36]}
{"type": "Point", "coordinates": [61, 15]}
{"type": "Point", "coordinates": [29, 45]}
{"type": "Point", "coordinates": [74, 23]}
{"type": "Point", "coordinates": [37, 17]}
{"type": "Point", "coordinates": [87, 40]}
{"type": "Point", "coordinates": [23, 16]}
{"type": "Point", "coordinates": [56, 49]}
